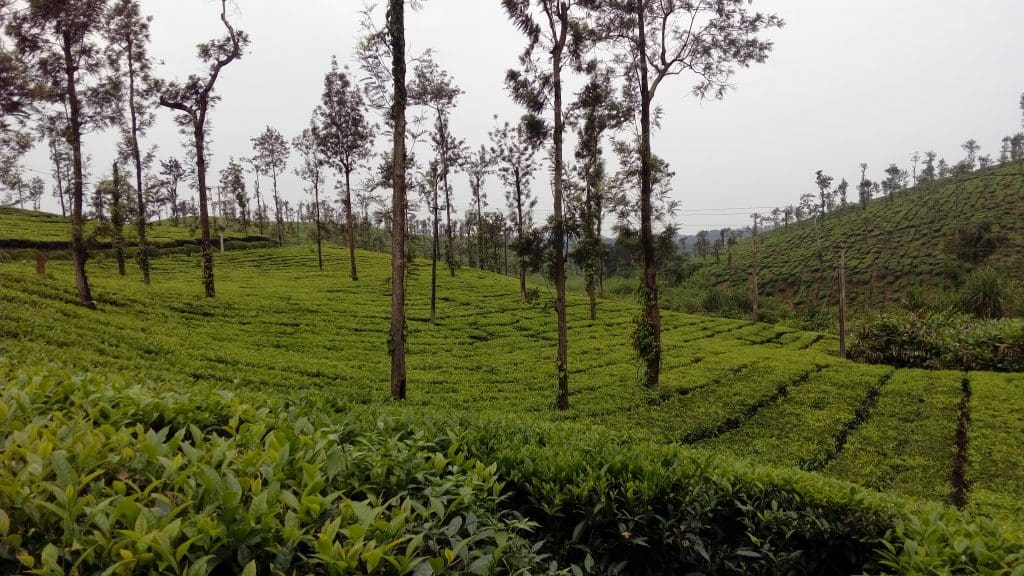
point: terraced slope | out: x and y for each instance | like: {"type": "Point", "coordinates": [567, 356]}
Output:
{"type": "Point", "coordinates": [895, 242]}
{"type": "Point", "coordinates": [772, 394]}
{"type": "Point", "coordinates": [24, 228]}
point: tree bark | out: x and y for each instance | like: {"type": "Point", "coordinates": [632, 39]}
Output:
{"type": "Point", "coordinates": [351, 226]}
{"type": "Point", "coordinates": [480, 250]}
{"type": "Point", "coordinates": [396, 29]}
{"type": "Point", "coordinates": [204, 212]}
{"type": "Point", "coordinates": [434, 255]}
{"type": "Point", "coordinates": [316, 215]}
{"type": "Point", "coordinates": [520, 225]}
{"type": "Point", "coordinates": [78, 249]}
{"type": "Point", "coordinates": [277, 210]}
{"type": "Point", "coordinates": [559, 227]}
{"type": "Point", "coordinates": [58, 169]}
{"type": "Point", "coordinates": [143, 254]}
{"type": "Point", "coordinates": [117, 220]}
{"type": "Point", "coordinates": [650, 348]}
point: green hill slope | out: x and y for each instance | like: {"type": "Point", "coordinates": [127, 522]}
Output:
{"type": "Point", "coordinates": [167, 432]}
{"type": "Point", "coordinates": [908, 239]}
{"type": "Point", "coordinates": [279, 327]}
{"type": "Point", "coordinates": [24, 229]}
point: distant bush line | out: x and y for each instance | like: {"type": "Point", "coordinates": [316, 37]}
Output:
{"type": "Point", "coordinates": [941, 341]}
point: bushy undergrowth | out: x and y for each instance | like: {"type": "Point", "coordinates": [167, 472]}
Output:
{"type": "Point", "coordinates": [734, 303]}
{"type": "Point", "coordinates": [941, 341]}
{"type": "Point", "coordinates": [102, 476]}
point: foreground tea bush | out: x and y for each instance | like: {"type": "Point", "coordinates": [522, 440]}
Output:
{"type": "Point", "coordinates": [102, 477]}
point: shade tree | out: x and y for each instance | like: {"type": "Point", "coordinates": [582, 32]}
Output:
{"type": "Point", "coordinates": [192, 100]}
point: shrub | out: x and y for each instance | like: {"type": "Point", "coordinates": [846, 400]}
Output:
{"type": "Point", "coordinates": [102, 476]}
{"type": "Point", "coordinates": [940, 341]}
{"type": "Point", "coordinates": [986, 294]}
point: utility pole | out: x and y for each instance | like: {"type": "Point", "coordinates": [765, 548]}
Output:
{"type": "Point", "coordinates": [842, 304]}
{"type": "Point", "coordinates": [757, 316]}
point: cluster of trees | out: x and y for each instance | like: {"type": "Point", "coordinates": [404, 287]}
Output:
{"type": "Point", "coordinates": [84, 65]}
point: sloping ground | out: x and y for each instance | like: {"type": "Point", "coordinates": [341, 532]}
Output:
{"type": "Point", "coordinates": [280, 327]}
{"type": "Point", "coordinates": [21, 229]}
{"type": "Point", "coordinates": [895, 242]}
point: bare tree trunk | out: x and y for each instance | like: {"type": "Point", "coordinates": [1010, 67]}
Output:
{"type": "Point", "coordinates": [757, 295]}
{"type": "Point", "coordinates": [450, 249]}
{"type": "Point", "coordinates": [204, 213]}
{"type": "Point", "coordinates": [57, 170]}
{"type": "Point", "coordinates": [647, 337]}
{"type": "Point", "coordinates": [117, 220]}
{"type": "Point", "coordinates": [350, 225]}
{"type": "Point", "coordinates": [520, 260]}
{"type": "Point", "coordinates": [277, 211]}
{"type": "Point", "coordinates": [316, 215]}
{"type": "Point", "coordinates": [396, 30]}
{"type": "Point", "coordinates": [480, 250]}
{"type": "Point", "coordinates": [78, 249]}
{"type": "Point", "coordinates": [143, 254]}
{"type": "Point", "coordinates": [559, 228]}
{"type": "Point", "coordinates": [600, 254]}
{"type": "Point", "coordinates": [434, 255]}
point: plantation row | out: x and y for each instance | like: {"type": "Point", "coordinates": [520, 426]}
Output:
{"type": "Point", "coordinates": [103, 475]}
{"type": "Point", "coordinates": [29, 227]}
{"type": "Point", "coordinates": [893, 243]}
{"type": "Point", "coordinates": [767, 393]}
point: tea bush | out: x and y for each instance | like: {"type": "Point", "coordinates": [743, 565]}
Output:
{"type": "Point", "coordinates": [941, 341]}
{"type": "Point", "coordinates": [103, 476]}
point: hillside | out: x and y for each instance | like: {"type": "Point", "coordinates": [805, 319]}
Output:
{"type": "Point", "coordinates": [260, 415]}
{"type": "Point", "coordinates": [26, 229]}
{"type": "Point", "coordinates": [907, 239]}
{"type": "Point", "coordinates": [771, 394]}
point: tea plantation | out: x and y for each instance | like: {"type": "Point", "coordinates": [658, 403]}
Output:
{"type": "Point", "coordinates": [253, 433]}
{"type": "Point", "coordinates": [907, 239]}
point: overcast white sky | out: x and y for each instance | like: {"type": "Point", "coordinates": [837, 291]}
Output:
{"type": "Point", "coordinates": [849, 81]}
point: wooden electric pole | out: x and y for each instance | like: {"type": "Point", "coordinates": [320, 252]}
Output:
{"type": "Point", "coordinates": [757, 316]}
{"type": "Point", "coordinates": [842, 304]}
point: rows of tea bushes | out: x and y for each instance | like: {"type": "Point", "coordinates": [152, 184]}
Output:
{"type": "Point", "coordinates": [940, 341]}
{"type": "Point", "coordinates": [911, 443]}
{"type": "Point", "coordinates": [904, 241]}
{"type": "Point", "coordinates": [105, 476]}
{"type": "Point", "coordinates": [100, 476]}
{"type": "Point", "coordinates": [280, 327]}
{"type": "Point", "coordinates": [996, 461]}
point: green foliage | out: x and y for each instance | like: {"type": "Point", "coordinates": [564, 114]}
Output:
{"type": "Point", "coordinates": [766, 392]}
{"type": "Point", "coordinates": [213, 485]}
{"type": "Point", "coordinates": [986, 294]}
{"type": "Point", "coordinates": [103, 475]}
{"type": "Point", "coordinates": [940, 341]}
{"type": "Point", "coordinates": [975, 242]}
{"type": "Point", "coordinates": [907, 239]}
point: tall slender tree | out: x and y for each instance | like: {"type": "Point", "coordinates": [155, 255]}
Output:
{"type": "Point", "coordinates": [232, 190]}
{"type": "Point", "coordinates": [706, 38]}
{"type": "Point", "coordinates": [513, 149]}
{"type": "Point", "coordinates": [193, 100]}
{"type": "Point", "coordinates": [435, 89]}
{"type": "Point", "coordinates": [553, 30]}
{"type": "Point", "coordinates": [599, 111]}
{"type": "Point", "coordinates": [271, 154]}
{"type": "Point", "coordinates": [312, 170]}
{"type": "Point", "coordinates": [172, 173]}
{"type": "Point", "coordinates": [127, 32]}
{"type": "Point", "coordinates": [346, 140]}
{"type": "Point", "coordinates": [478, 166]}
{"type": "Point", "coordinates": [59, 42]}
